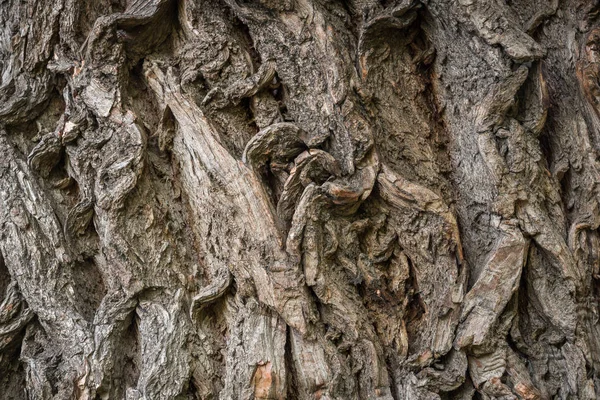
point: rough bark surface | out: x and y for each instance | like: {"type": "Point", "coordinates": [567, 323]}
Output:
{"type": "Point", "coordinates": [299, 199]}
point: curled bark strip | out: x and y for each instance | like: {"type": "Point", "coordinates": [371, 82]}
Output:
{"type": "Point", "coordinates": [521, 169]}
{"type": "Point", "coordinates": [490, 113]}
{"type": "Point", "coordinates": [119, 176]}
{"type": "Point", "coordinates": [497, 372]}
{"type": "Point", "coordinates": [540, 16]}
{"type": "Point", "coordinates": [352, 190]}
{"type": "Point", "coordinates": [399, 192]}
{"type": "Point", "coordinates": [310, 166]}
{"type": "Point", "coordinates": [71, 132]}
{"type": "Point", "coordinates": [536, 100]}
{"type": "Point", "coordinates": [437, 229]}
{"type": "Point", "coordinates": [588, 72]}
{"type": "Point", "coordinates": [448, 379]}
{"type": "Point", "coordinates": [497, 283]}
{"type": "Point", "coordinates": [79, 218]}
{"type": "Point", "coordinates": [306, 205]}
{"type": "Point", "coordinates": [366, 302]}
{"type": "Point", "coordinates": [343, 195]}
{"type": "Point", "coordinates": [133, 26]}
{"type": "Point", "coordinates": [540, 227]}
{"type": "Point", "coordinates": [520, 378]}
{"type": "Point", "coordinates": [30, 94]}
{"type": "Point", "coordinates": [494, 24]}
{"type": "Point", "coordinates": [386, 23]}
{"type": "Point", "coordinates": [212, 292]}
{"type": "Point", "coordinates": [210, 170]}
{"type": "Point", "coordinates": [278, 143]}
{"type": "Point", "coordinates": [486, 371]}
{"type": "Point", "coordinates": [577, 233]}
{"type": "Point", "coordinates": [248, 87]}
{"type": "Point", "coordinates": [14, 316]}
{"type": "Point", "coordinates": [166, 130]}
{"type": "Point", "coordinates": [45, 155]}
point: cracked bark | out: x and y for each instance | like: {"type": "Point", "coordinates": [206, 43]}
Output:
{"type": "Point", "coordinates": [300, 199]}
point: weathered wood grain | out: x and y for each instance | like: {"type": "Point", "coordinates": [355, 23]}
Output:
{"type": "Point", "coordinates": [299, 199]}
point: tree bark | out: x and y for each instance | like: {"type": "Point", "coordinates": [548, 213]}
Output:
{"type": "Point", "coordinates": [299, 199]}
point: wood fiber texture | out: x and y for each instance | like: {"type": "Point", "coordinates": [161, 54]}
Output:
{"type": "Point", "coordinates": [299, 199]}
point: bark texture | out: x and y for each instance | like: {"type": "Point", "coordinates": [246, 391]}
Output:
{"type": "Point", "coordinates": [299, 199]}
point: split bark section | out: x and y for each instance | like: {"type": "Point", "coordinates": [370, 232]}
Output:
{"type": "Point", "coordinates": [257, 189]}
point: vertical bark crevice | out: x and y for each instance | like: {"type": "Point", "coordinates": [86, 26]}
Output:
{"type": "Point", "coordinates": [303, 199]}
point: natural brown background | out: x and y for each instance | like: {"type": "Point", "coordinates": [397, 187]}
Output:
{"type": "Point", "coordinates": [301, 199]}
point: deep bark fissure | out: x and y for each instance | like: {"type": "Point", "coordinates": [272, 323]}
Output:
{"type": "Point", "coordinates": [299, 199]}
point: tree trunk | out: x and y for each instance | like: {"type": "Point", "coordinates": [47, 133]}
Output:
{"type": "Point", "coordinates": [299, 199]}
